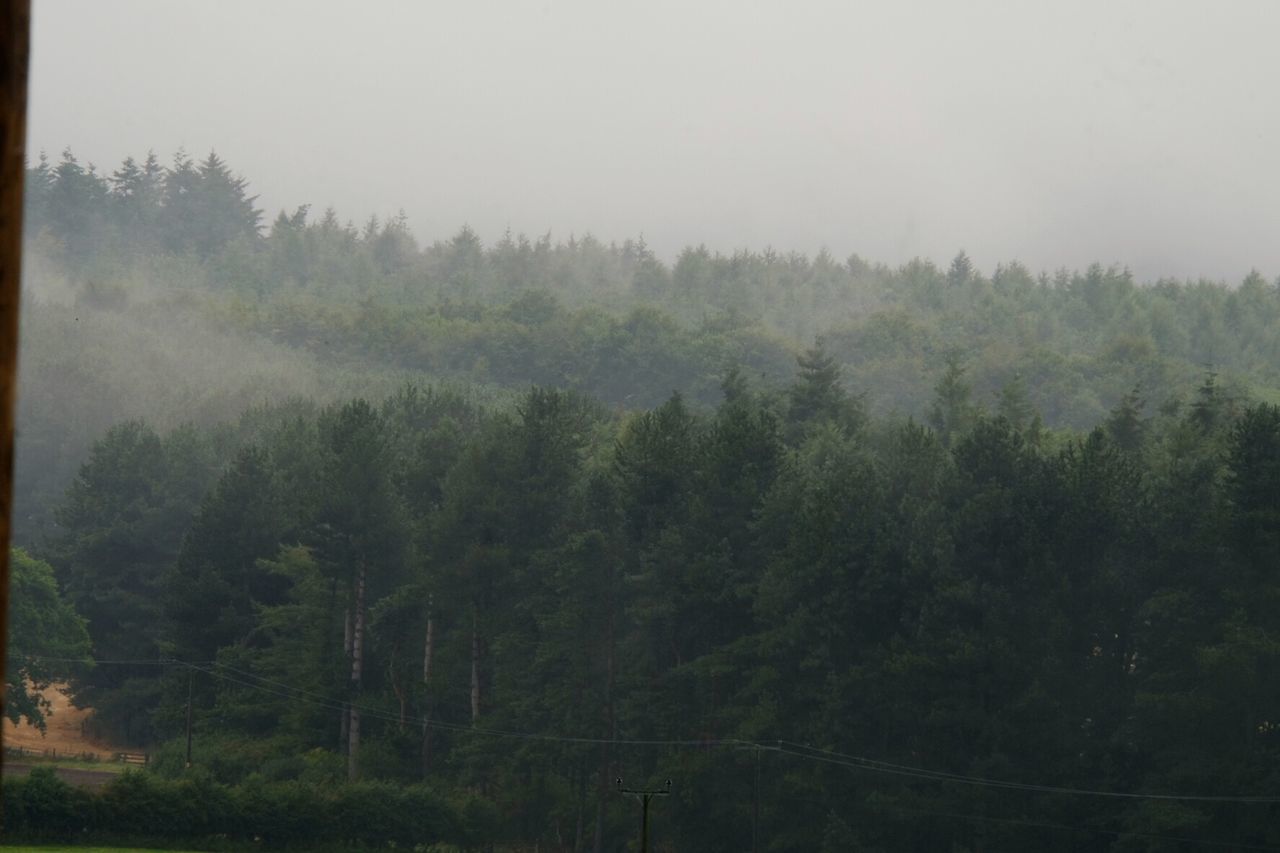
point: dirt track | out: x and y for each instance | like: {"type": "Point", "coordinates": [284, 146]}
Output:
{"type": "Point", "coordinates": [64, 731]}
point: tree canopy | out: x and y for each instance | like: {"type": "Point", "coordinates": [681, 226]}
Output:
{"type": "Point", "coordinates": [48, 642]}
{"type": "Point", "coordinates": [859, 557]}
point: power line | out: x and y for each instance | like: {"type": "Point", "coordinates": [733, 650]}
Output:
{"type": "Point", "coordinates": [862, 763]}
{"type": "Point", "coordinates": [842, 759]}
{"type": "Point", "coordinates": [797, 750]}
{"type": "Point", "coordinates": [1116, 833]}
{"type": "Point", "coordinates": [121, 662]}
{"type": "Point", "coordinates": [328, 702]}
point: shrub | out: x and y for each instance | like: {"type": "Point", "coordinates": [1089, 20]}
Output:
{"type": "Point", "coordinates": [198, 810]}
{"type": "Point", "coordinates": [45, 805]}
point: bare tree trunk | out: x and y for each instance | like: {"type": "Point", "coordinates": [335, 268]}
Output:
{"type": "Point", "coordinates": [475, 665]}
{"type": "Point", "coordinates": [345, 724]}
{"type": "Point", "coordinates": [580, 827]}
{"type": "Point", "coordinates": [613, 734]}
{"type": "Point", "coordinates": [427, 700]}
{"type": "Point", "coordinates": [404, 707]}
{"type": "Point", "coordinates": [397, 687]}
{"type": "Point", "coordinates": [357, 666]}
{"type": "Point", "coordinates": [602, 791]}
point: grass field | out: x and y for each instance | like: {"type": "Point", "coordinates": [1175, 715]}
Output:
{"type": "Point", "coordinates": [60, 849]}
{"type": "Point", "coordinates": [72, 763]}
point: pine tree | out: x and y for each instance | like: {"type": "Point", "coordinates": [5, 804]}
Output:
{"type": "Point", "coordinates": [77, 206]}
{"type": "Point", "coordinates": [215, 587]}
{"type": "Point", "coordinates": [136, 197]}
{"type": "Point", "coordinates": [181, 209]}
{"type": "Point", "coordinates": [960, 271]}
{"type": "Point", "coordinates": [360, 535]}
{"type": "Point", "coordinates": [122, 525]}
{"type": "Point", "coordinates": [1210, 404]}
{"type": "Point", "coordinates": [1015, 403]}
{"type": "Point", "coordinates": [207, 207]}
{"type": "Point", "coordinates": [1125, 425]}
{"type": "Point", "coordinates": [37, 196]}
{"type": "Point", "coordinates": [226, 208]}
{"type": "Point", "coordinates": [952, 414]}
{"type": "Point", "coordinates": [817, 396]}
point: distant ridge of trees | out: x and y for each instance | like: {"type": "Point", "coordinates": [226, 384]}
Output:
{"type": "Point", "coordinates": [1012, 528]}
{"type": "Point", "coordinates": [136, 274]}
{"type": "Point", "coordinates": [1078, 340]}
{"type": "Point", "coordinates": [186, 207]}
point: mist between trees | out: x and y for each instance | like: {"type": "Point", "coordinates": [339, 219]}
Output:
{"type": "Point", "coordinates": [949, 534]}
{"type": "Point", "coordinates": [157, 292]}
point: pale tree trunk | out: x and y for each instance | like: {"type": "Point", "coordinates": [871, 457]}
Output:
{"type": "Point", "coordinates": [428, 654]}
{"type": "Point", "coordinates": [580, 826]}
{"type": "Point", "coordinates": [400, 689]}
{"type": "Point", "coordinates": [344, 725]}
{"type": "Point", "coordinates": [613, 734]}
{"type": "Point", "coordinates": [357, 667]}
{"type": "Point", "coordinates": [475, 665]}
{"type": "Point", "coordinates": [602, 795]}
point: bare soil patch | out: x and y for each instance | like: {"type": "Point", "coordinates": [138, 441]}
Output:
{"type": "Point", "coordinates": [66, 731]}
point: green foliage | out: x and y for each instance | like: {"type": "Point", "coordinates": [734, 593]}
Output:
{"type": "Point", "coordinates": [216, 591]}
{"type": "Point", "coordinates": [123, 520]}
{"type": "Point", "coordinates": [46, 639]}
{"type": "Point", "coordinates": [818, 397]}
{"type": "Point", "coordinates": [173, 261]}
{"type": "Point", "coordinates": [952, 413]}
{"type": "Point", "coordinates": [196, 810]}
{"type": "Point", "coordinates": [1049, 609]}
{"type": "Point", "coordinates": [674, 544]}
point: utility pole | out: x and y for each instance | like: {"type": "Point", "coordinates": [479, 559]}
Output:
{"type": "Point", "coordinates": [190, 682]}
{"type": "Point", "coordinates": [644, 797]}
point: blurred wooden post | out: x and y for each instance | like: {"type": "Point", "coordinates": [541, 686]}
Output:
{"type": "Point", "coordinates": [15, 43]}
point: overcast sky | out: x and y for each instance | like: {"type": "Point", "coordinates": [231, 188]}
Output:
{"type": "Point", "coordinates": [1142, 133]}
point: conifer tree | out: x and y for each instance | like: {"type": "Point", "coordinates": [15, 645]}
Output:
{"type": "Point", "coordinates": [952, 412]}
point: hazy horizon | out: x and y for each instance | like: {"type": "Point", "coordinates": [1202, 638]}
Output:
{"type": "Point", "coordinates": [1138, 134]}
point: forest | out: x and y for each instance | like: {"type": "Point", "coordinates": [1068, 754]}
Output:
{"type": "Point", "coordinates": [860, 558]}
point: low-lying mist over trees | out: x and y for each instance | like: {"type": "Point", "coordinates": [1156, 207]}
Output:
{"type": "Point", "coordinates": [157, 291]}
{"type": "Point", "coordinates": [921, 558]}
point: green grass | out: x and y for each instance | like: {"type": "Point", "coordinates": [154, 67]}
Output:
{"type": "Point", "coordinates": [88, 849]}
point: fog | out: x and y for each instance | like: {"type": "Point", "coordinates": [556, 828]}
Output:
{"type": "Point", "coordinates": [136, 348]}
{"type": "Point", "coordinates": [911, 485]}
{"type": "Point", "coordinates": [1135, 133]}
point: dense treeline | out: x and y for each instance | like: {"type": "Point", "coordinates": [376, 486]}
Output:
{"type": "Point", "coordinates": [802, 613]}
{"type": "Point", "coordinates": [274, 816]}
{"type": "Point", "coordinates": [141, 281]}
{"type": "Point", "coordinates": [774, 587]}
{"type": "Point", "coordinates": [532, 311]}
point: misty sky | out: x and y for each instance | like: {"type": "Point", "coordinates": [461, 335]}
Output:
{"type": "Point", "coordinates": [1144, 133]}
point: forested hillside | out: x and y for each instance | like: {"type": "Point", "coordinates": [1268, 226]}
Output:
{"type": "Point", "coordinates": [859, 558]}
{"type": "Point", "coordinates": [827, 630]}
{"type": "Point", "coordinates": [159, 291]}
{"type": "Point", "coordinates": [532, 310]}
